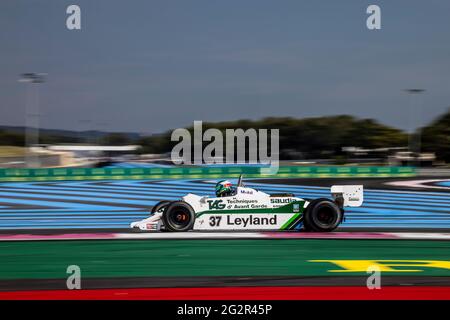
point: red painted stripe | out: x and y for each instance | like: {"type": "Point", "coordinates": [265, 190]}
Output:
{"type": "Point", "coordinates": [237, 293]}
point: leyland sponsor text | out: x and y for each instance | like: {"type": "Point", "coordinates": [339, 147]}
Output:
{"type": "Point", "coordinates": [251, 220]}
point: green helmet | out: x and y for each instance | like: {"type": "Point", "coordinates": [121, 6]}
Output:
{"type": "Point", "coordinates": [223, 187]}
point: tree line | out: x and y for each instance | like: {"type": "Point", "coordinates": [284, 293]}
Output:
{"type": "Point", "coordinates": [321, 137]}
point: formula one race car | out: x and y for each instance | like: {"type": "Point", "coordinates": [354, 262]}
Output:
{"type": "Point", "coordinates": [249, 209]}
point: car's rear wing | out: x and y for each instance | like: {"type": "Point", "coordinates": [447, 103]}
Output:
{"type": "Point", "coordinates": [348, 196]}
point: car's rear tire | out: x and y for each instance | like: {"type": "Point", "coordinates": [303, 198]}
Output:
{"type": "Point", "coordinates": [160, 206]}
{"type": "Point", "coordinates": [178, 216]}
{"type": "Point", "coordinates": [322, 215]}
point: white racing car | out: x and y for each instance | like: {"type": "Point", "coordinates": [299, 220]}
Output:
{"type": "Point", "coordinates": [243, 208]}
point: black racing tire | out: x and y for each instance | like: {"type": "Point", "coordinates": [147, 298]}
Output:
{"type": "Point", "coordinates": [322, 215]}
{"type": "Point", "coordinates": [162, 205]}
{"type": "Point", "coordinates": [178, 217]}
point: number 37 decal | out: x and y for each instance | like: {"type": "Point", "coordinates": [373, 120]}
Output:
{"type": "Point", "coordinates": [214, 221]}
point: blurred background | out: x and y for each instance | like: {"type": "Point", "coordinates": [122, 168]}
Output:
{"type": "Point", "coordinates": [110, 94]}
{"type": "Point", "coordinates": [98, 105]}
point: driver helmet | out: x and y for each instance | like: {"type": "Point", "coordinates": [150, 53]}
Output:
{"type": "Point", "coordinates": [223, 188]}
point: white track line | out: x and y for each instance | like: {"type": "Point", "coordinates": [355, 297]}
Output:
{"type": "Point", "coordinates": [189, 235]}
{"type": "Point", "coordinates": [419, 184]}
{"type": "Point", "coordinates": [425, 236]}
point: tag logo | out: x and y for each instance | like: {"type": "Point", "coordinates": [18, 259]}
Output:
{"type": "Point", "coordinates": [216, 204]}
{"type": "Point", "coordinates": [296, 207]}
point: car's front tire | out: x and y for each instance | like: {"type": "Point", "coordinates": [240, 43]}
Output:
{"type": "Point", "coordinates": [322, 215]}
{"type": "Point", "coordinates": [178, 216]}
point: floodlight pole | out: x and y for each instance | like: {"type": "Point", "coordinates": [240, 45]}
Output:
{"type": "Point", "coordinates": [32, 116]}
{"type": "Point", "coordinates": [414, 112]}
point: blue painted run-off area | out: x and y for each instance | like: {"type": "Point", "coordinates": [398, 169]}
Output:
{"type": "Point", "coordinates": [114, 204]}
{"type": "Point", "coordinates": [444, 183]}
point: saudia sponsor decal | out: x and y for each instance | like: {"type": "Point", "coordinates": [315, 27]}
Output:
{"type": "Point", "coordinates": [251, 220]}
{"type": "Point", "coordinates": [281, 200]}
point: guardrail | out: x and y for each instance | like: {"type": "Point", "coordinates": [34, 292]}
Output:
{"type": "Point", "coordinates": [200, 172]}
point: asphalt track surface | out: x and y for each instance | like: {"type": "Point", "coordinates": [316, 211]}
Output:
{"type": "Point", "coordinates": [78, 207]}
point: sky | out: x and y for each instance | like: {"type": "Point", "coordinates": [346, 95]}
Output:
{"type": "Point", "coordinates": [150, 66]}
